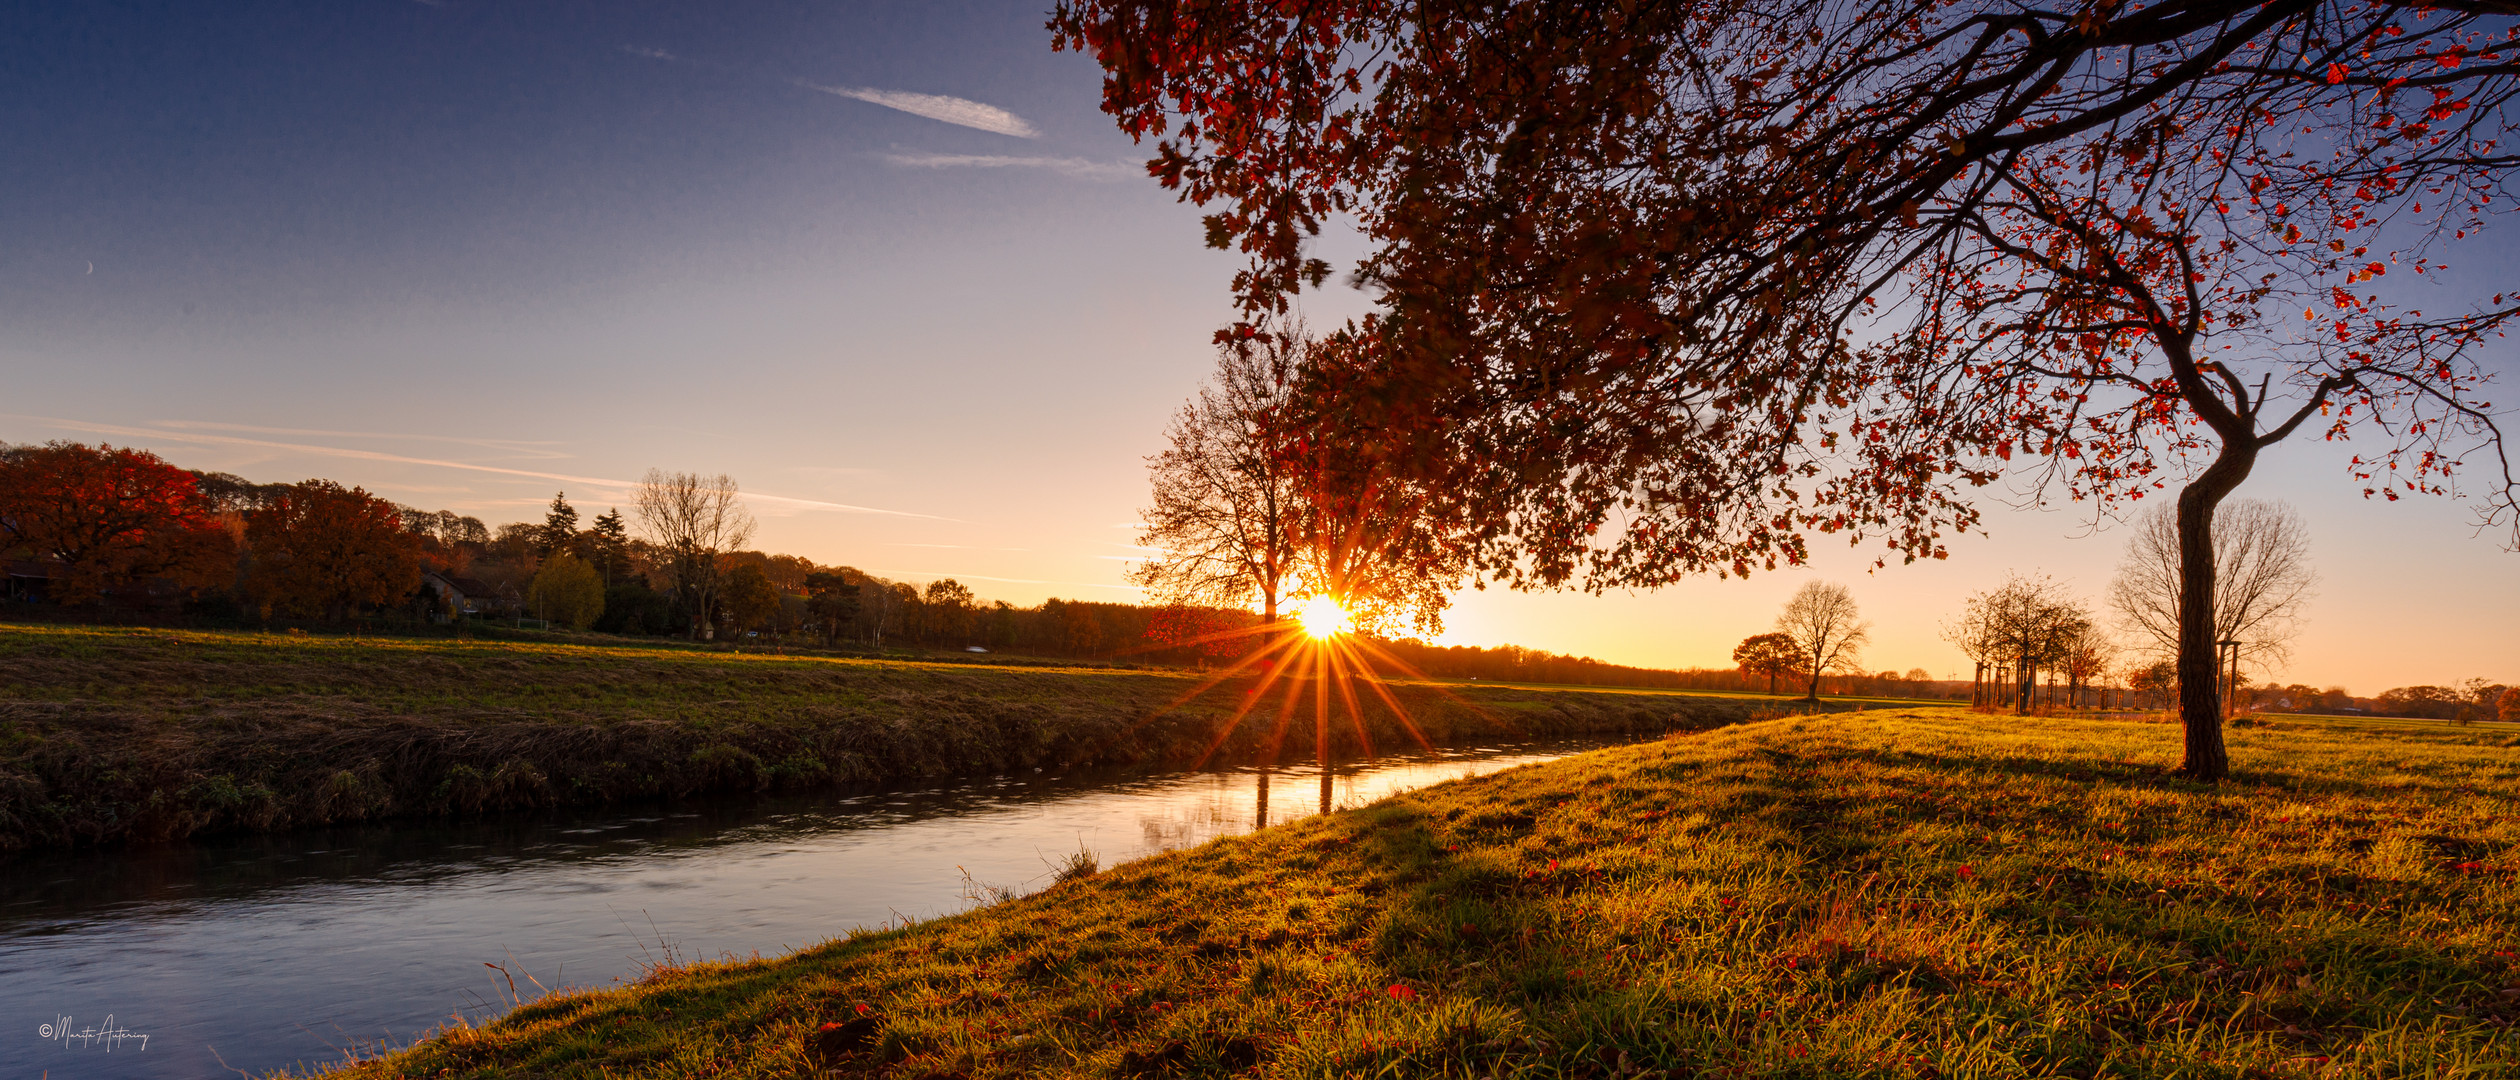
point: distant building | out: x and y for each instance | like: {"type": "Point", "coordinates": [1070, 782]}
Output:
{"type": "Point", "coordinates": [468, 596]}
{"type": "Point", "coordinates": [27, 583]}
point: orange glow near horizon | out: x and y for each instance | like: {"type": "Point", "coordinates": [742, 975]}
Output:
{"type": "Point", "coordinates": [1314, 653]}
{"type": "Point", "coordinates": [1323, 618]}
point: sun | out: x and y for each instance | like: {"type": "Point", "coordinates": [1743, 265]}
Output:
{"type": "Point", "coordinates": [1322, 617]}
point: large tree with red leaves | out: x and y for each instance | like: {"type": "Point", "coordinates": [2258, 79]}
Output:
{"type": "Point", "coordinates": [109, 521]}
{"type": "Point", "coordinates": [1670, 287]}
{"type": "Point", "coordinates": [324, 550]}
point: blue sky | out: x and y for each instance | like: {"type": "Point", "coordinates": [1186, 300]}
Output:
{"type": "Point", "coordinates": [887, 264]}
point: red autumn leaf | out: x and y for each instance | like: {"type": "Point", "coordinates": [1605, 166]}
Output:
{"type": "Point", "coordinates": [2336, 73]}
{"type": "Point", "coordinates": [1403, 992]}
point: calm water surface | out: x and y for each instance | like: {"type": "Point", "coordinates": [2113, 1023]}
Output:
{"type": "Point", "coordinates": [263, 953]}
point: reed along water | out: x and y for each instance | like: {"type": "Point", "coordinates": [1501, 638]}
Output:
{"type": "Point", "coordinates": [259, 953]}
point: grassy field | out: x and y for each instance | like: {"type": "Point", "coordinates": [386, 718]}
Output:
{"type": "Point", "coordinates": [114, 735]}
{"type": "Point", "coordinates": [1927, 893]}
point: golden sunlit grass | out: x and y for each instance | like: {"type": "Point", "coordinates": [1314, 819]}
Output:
{"type": "Point", "coordinates": [1923, 893]}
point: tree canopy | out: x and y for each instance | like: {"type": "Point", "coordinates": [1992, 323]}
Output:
{"type": "Point", "coordinates": [1670, 288]}
{"type": "Point", "coordinates": [111, 518]}
{"type": "Point", "coordinates": [326, 550]}
{"type": "Point", "coordinates": [1771, 654]}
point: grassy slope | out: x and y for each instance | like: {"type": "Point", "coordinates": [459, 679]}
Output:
{"type": "Point", "coordinates": [112, 735]}
{"type": "Point", "coordinates": [1922, 894]}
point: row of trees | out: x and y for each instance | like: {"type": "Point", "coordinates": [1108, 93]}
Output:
{"type": "Point", "coordinates": [2013, 633]}
{"type": "Point", "coordinates": [108, 525]}
{"type": "Point", "coordinates": [2031, 626]}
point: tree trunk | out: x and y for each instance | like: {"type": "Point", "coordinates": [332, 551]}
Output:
{"type": "Point", "coordinates": [2200, 705]}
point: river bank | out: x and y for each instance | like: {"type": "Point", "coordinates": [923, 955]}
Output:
{"type": "Point", "coordinates": [118, 736]}
{"type": "Point", "coordinates": [1919, 893]}
{"type": "Point", "coordinates": [373, 935]}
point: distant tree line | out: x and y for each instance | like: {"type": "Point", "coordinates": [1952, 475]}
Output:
{"type": "Point", "coordinates": [113, 530]}
{"type": "Point", "coordinates": [116, 531]}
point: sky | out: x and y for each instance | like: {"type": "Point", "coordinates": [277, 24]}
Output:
{"type": "Point", "coordinates": [886, 264]}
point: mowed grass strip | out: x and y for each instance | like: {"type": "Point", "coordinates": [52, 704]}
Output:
{"type": "Point", "coordinates": [1921, 894]}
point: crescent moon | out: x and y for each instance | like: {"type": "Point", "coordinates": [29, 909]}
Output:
{"type": "Point", "coordinates": [91, 266]}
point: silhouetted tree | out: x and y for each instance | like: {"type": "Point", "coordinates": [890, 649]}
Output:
{"type": "Point", "coordinates": [750, 601]}
{"type": "Point", "coordinates": [1821, 621]}
{"type": "Point", "coordinates": [693, 519]}
{"type": "Point", "coordinates": [559, 528]}
{"type": "Point", "coordinates": [832, 600]}
{"type": "Point", "coordinates": [2262, 579]}
{"type": "Point", "coordinates": [228, 491]}
{"type": "Point", "coordinates": [1224, 519]}
{"type": "Point", "coordinates": [608, 546]}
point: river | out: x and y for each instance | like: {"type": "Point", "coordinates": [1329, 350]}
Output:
{"type": "Point", "coordinates": [258, 953]}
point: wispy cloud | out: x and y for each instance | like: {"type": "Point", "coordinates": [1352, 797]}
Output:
{"type": "Point", "coordinates": [161, 433]}
{"type": "Point", "coordinates": [941, 107]}
{"type": "Point", "coordinates": [819, 471]}
{"type": "Point", "coordinates": [523, 447]}
{"type": "Point", "coordinates": [932, 575]}
{"type": "Point", "coordinates": [951, 110]}
{"type": "Point", "coordinates": [1066, 166]}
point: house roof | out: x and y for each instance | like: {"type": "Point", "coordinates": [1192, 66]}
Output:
{"type": "Point", "coordinates": [466, 586]}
